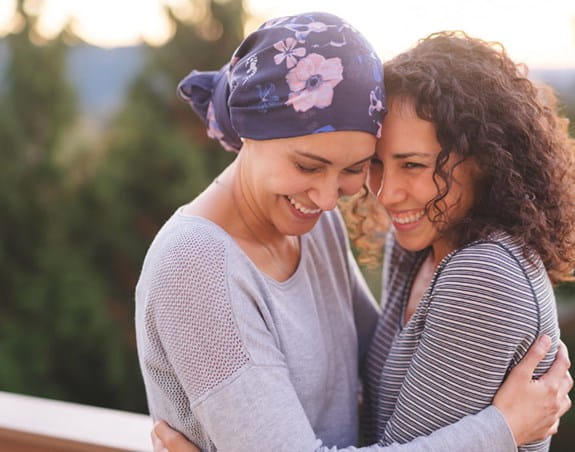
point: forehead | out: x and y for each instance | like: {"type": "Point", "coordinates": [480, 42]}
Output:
{"type": "Point", "coordinates": [403, 131]}
{"type": "Point", "coordinates": [341, 147]}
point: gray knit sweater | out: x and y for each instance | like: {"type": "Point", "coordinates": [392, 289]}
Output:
{"type": "Point", "coordinates": [238, 361]}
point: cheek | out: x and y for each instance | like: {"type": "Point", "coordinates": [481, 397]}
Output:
{"type": "Point", "coordinates": [423, 187]}
{"type": "Point", "coordinates": [352, 184]}
{"type": "Point", "coordinates": [290, 182]}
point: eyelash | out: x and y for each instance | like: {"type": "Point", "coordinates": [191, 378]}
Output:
{"type": "Point", "coordinates": [406, 165]}
{"type": "Point", "coordinates": [413, 165]}
{"type": "Point", "coordinates": [306, 169]}
{"type": "Point", "coordinates": [311, 170]}
{"type": "Point", "coordinates": [356, 171]}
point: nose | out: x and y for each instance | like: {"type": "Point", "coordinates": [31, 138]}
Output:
{"type": "Point", "coordinates": [325, 193]}
{"type": "Point", "coordinates": [391, 189]}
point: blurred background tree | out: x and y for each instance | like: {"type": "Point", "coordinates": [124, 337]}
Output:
{"type": "Point", "coordinates": [51, 317]}
{"type": "Point", "coordinates": [75, 229]}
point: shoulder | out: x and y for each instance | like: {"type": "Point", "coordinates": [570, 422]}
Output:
{"type": "Point", "coordinates": [187, 254]}
{"type": "Point", "coordinates": [193, 240]}
{"type": "Point", "coordinates": [497, 258]}
{"type": "Point", "coordinates": [490, 272]}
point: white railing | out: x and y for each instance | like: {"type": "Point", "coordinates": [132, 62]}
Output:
{"type": "Point", "coordinates": [33, 424]}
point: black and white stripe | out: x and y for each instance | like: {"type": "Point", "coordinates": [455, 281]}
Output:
{"type": "Point", "coordinates": [485, 306]}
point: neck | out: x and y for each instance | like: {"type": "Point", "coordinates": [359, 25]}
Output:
{"type": "Point", "coordinates": [250, 223]}
{"type": "Point", "coordinates": [440, 249]}
{"type": "Point", "coordinates": [271, 251]}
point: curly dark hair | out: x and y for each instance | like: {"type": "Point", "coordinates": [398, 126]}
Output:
{"type": "Point", "coordinates": [483, 106]}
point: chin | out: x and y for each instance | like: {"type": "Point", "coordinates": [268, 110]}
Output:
{"type": "Point", "coordinates": [297, 229]}
{"type": "Point", "coordinates": [412, 245]}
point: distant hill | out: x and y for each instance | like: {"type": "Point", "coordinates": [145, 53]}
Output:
{"type": "Point", "coordinates": [562, 80]}
{"type": "Point", "coordinates": [102, 76]}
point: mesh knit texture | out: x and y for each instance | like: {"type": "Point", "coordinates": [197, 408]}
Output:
{"type": "Point", "coordinates": [187, 313]}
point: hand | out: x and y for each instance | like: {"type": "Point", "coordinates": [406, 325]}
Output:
{"type": "Point", "coordinates": [166, 439]}
{"type": "Point", "coordinates": [532, 408]}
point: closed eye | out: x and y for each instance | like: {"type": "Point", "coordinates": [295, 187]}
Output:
{"type": "Point", "coordinates": [356, 169]}
{"type": "Point", "coordinates": [306, 169]}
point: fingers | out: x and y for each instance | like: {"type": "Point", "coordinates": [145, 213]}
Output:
{"type": "Point", "coordinates": [554, 428]}
{"type": "Point", "coordinates": [567, 405]}
{"type": "Point", "coordinates": [157, 442]}
{"type": "Point", "coordinates": [560, 366]}
{"type": "Point", "coordinates": [534, 355]}
{"type": "Point", "coordinates": [165, 433]}
{"type": "Point", "coordinates": [172, 440]}
{"type": "Point", "coordinates": [566, 384]}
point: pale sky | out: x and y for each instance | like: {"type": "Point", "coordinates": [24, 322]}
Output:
{"type": "Point", "coordinates": [540, 33]}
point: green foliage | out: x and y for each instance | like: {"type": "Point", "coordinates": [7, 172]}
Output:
{"type": "Point", "coordinates": [56, 335]}
{"type": "Point", "coordinates": [74, 234]}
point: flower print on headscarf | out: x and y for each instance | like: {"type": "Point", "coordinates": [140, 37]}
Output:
{"type": "Point", "coordinates": [376, 106]}
{"type": "Point", "coordinates": [267, 97]}
{"type": "Point", "coordinates": [312, 82]}
{"type": "Point", "coordinates": [288, 52]}
{"type": "Point", "coordinates": [252, 68]}
{"type": "Point", "coordinates": [375, 100]}
{"type": "Point", "coordinates": [214, 130]}
{"type": "Point", "coordinates": [303, 30]}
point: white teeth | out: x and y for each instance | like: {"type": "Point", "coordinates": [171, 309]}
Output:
{"type": "Point", "coordinates": [409, 218]}
{"type": "Point", "coordinates": [301, 208]}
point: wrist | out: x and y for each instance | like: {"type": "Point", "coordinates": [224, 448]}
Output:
{"type": "Point", "coordinates": [513, 425]}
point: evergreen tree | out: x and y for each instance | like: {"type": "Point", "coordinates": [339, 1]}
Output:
{"type": "Point", "coordinates": [157, 157]}
{"type": "Point", "coordinates": [57, 338]}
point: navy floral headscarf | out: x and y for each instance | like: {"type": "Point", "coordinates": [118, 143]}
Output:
{"type": "Point", "coordinates": [294, 76]}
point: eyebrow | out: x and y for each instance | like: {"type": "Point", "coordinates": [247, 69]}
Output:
{"type": "Point", "coordinates": [329, 162]}
{"type": "Point", "coordinates": [406, 155]}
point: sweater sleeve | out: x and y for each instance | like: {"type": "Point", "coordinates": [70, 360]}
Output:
{"type": "Point", "coordinates": [481, 319]}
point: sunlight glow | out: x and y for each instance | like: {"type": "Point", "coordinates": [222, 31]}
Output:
{"type": "Point", "coordinates": [108, 23]}
{"type": "Point", "coordinates": [6, 8]}
{"type": "Point", "coordinates": [537, 33]}
{"type": "Point", "coordinates": [540, 33]}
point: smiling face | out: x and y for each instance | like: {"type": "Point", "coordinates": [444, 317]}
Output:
{"type": "Point", "coordinates": [289, 182]}
{"type": "Point", "coordinates": [401, 175]}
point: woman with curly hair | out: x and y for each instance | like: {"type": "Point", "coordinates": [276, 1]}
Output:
{"type": "Point", "coordinates": [471, 169]}
{"type": "Point", "coordinates": [476, 173]}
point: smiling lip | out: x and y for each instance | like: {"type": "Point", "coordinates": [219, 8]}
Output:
{"type": "Point", "coordinates": [301, 211]}
{"type": "Point", "coordinates": [406, 220]}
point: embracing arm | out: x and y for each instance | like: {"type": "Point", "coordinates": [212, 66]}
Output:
{"type": "Point", "coordinates": [531, 407]}
{"type": "Point", "coordinates": [243, 399]}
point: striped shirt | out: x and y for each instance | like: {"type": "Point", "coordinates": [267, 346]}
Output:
{"type": "Point", "coordinates": [484, 307]}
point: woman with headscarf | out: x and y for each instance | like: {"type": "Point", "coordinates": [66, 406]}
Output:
{"type": "Point", "coordinates": [252, 316]}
